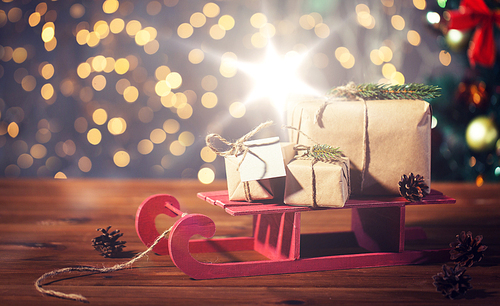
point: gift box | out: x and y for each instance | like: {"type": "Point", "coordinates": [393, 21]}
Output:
{"type": "Point", "coordinates": [247, 190]}
{"type": "Point", "coordinates": [256, 174]}
{"type": "Point", "coordinates": [316, 183]}
{"type": "Point", "coordinates": [382, 138]}
{"type": "Point", "coordinates": [259, 174]}
{"type": "Point", "coordinates": [254, 168]}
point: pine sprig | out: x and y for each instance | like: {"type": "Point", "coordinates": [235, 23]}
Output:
{"type": "Point", "coordinates": [323, 152]}
{"type": "Point", "coordinates": [372, 91]}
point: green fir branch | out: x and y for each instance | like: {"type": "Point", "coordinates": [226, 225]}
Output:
{"type": "Point", "coordinates": [373, 91]}
{"type": "Point", "coordinates": [323, 153]}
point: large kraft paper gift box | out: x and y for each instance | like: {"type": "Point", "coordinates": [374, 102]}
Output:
{"type": "Point", "coordinates": [383, 139]}
{"type": "Point", "coordinates": [329, 188]}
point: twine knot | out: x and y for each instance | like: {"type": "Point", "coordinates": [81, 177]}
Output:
{"type": "Point", "coordinates": [349, 91]}
{"type": "Point", "coordinates": [235, 148]}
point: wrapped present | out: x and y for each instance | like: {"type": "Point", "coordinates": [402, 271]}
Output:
{"type": "Point", "coordinates": [382, 138]}
{"type": "Point", "coordinates": [255, 169]}
{"type": "Point", "coordinates": [247, 190]}
{"type": "Point", "coordinates": [317, 182]}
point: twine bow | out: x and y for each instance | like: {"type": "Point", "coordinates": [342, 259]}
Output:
{"type": "Point", "coordinates": [237, 148]}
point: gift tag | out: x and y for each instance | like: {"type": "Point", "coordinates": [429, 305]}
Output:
{"type": "Point", "coordinates": [263, 160]}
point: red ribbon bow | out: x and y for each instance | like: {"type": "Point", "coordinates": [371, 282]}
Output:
{"type": "Point", "coordinates": [476, 14]}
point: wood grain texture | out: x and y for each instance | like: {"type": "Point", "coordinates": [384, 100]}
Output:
{"type": "Point", "coordinates": [48, 224]}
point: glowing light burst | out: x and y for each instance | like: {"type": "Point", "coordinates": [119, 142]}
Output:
{"type": "Point", "coordinates": [276, 77]}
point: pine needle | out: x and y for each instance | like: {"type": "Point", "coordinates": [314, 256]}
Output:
{"type": "Point", "coordinates": [372, 91]}
{"type": "Point", "coordinates": [323, 153]}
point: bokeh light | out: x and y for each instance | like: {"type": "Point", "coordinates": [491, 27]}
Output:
{"type": "Point", "coordinates": [209, 99]}
{"type": "Point", "coordinates": [157, 136]}
{"type": "Point", "coordinates": [185, 30]}
{"type": "Point", "coordinates": [413, 37]}
{"type": "Point", "coordinates": [211, 10]}
{"type": "Point", "coordinates": [94, 136]}
{"type": "Point", "coordinates": [60, 175]}
{"type": "Point", "coordinates": [47, 71]}
{"type": "Point", "coordinates": [197, 20]}
{"type": "Point", "coordinates": [76, 11]}
{"type": "Point", "coordinates": [100, 116]}
{"type": "Point", "coordinates": [237, 109]}
{"type": "Point", "coordinates": [121, 159]}
{"type": "Point", "coordinates": [116, 25]}
{"type": "Point", "coordinates": [13, 129]}
{"type": "Point", "coordinates": [130, 94]}
{"type": "Point", "coordinates": [38, 151]}
{"type": "Point", "coordinates": [171, 126]}
{"type": "Point", "coordinates": [47, 91]}
{"type": "Point", "coordinates": [176, 148]}
{"type": "Point", "coordinates": [85, 164]}
{"type": "Point", "coordinates": [398, 22]}
{"type": "Point", "coordinates": [207, 155]}
{"type": "Point", "coordinates": [186, 138]}
{"type": "Point", "coordinates": [117, 126]}
{"type": "Point", "coordinates": [444, 57]}
{"type": "Point", "coordinates": [206, 175]}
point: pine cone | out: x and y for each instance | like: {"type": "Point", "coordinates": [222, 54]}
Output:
{"type": "Point", "coordinates": [412, 188]}
{"type": "Point", "coordinates": [466, 250]}
{"type": "Point", "coordinates": [107, 244]}
{"type": "Point", "coordinates": [452, 282]}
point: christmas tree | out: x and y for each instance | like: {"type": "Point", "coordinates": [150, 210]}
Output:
{"type": "Point", "coordinates": [466, 144]}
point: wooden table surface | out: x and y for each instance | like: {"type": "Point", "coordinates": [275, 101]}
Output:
{"type": "Point", "coordinates": [48, 224]}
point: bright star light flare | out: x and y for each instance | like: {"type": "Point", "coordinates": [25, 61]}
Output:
{"type": "Point", "coordinates": [276, 78]}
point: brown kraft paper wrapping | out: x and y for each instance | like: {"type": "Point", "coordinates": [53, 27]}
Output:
{"type": "Point", "coordinates": [398, 138]}
{"type": "Point", "coordinates": [331, 183]}
{"type": "Point", "coordinates": [255, 190]}
{"type": "Point", "coordinates": [264, 189]}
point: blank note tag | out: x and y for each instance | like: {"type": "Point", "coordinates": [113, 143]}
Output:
{"type": "Point", "coordinates": [263, 160]}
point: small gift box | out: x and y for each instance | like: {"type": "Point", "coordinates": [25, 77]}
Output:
{"type": "Point", "coordinates": [316, 183]}
{"type": "Point", "coordinates": [247, 190]}
{"type": "Point", "coordinates": [382, 138]}
{"type": "Point", "coordinates": [258, 174]}
{"type": "Point", "coordinates": [255, 169]}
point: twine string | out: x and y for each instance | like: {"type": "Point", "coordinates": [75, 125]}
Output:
{"type": "Point", "coordinates": [346, 93]}
{"type": "Point", "coordinates": [79, 297]}
{"type": "Point", "coordinates": [365, 144]}
{"type": "Point", "coordinates": [248, 194]}
{"type": "Point", "coordinates": [299, 146]}
{"type": "Point", "coordinates": [313, 182]}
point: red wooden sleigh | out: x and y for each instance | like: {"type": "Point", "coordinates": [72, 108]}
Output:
{"type": "Point", "coordinates": [378, 225]}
